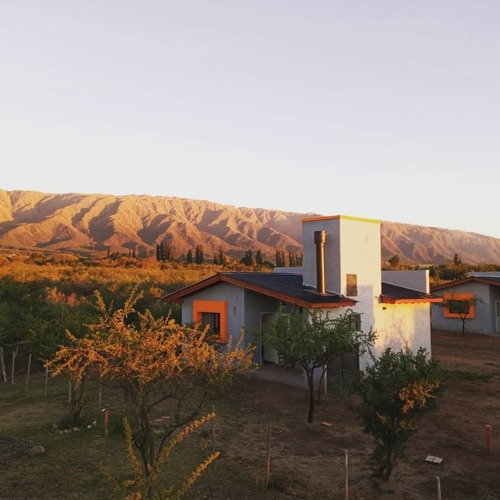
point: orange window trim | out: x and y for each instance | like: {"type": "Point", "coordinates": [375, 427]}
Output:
{"type": "Point", "coordinates": [212, 306]}
{"type": "Point", "coordinates": [458, 296]}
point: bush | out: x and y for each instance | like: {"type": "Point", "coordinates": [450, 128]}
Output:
{"type": "Point", "coordinates": [394, 390]}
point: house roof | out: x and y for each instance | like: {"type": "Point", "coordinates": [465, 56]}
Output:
{"type": "Point", "coordinates": [489, 280]}
{"type": "Point", "coordinates": [289, 288]}
{"type": "Point", "coordinates": [393, 294]}
{"type": "Point", "coordinates": [282, 286]}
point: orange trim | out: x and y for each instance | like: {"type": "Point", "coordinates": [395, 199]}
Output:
{"type": "Point", "coordinates": [389, 300]}
{"type": "Point", "coordinates": [212, 306]}
{"type": "Point", "coordinates": [458, 296]}
{"type": "Point", "coordinates": [349, 217]}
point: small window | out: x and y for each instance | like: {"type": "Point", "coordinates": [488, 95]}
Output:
{"type": "Point", "coordinates": [355, 320]}
{"type": "Point", "coordinates": [212, 320]}
{"type": "Point", "coordinates": [351, 285]}
{"type": "Point", "coordinates": [459, 305]}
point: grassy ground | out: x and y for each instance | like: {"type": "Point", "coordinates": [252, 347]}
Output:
{"type": "Point", "coordinates": [307, 461]}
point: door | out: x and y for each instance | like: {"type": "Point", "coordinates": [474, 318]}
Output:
{"type": "Point", "coordinates": [497, 316]}
{"type": "Point", "coordinates": [269, 354]}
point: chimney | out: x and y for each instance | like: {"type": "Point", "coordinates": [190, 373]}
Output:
{"type": "Point", "coordinates": [320, 240]}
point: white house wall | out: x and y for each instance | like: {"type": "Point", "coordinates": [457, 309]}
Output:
{"type": "Point", "coordinates": [401, 325]}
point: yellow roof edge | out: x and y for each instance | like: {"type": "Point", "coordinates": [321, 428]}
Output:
{"type": "Point", "coordinates": [349, 217]}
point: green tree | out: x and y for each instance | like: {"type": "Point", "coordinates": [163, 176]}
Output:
{"type": "Point", "coordinates": [258, 258]}
{"type": "Point", "coordinates": [394, 390]}
{"type": "Point", "coordinates": [248, 260]}
{"type": "Point", "coordinates": [189, 257]}
{"type": "Point", "coordinates": [280, 258]}
{"type": "Point", "coordinates": [394, 262]}
{"type": "Point", "coordinates": [313, 340]}
{"type": "Point", "coordinates": [198, 256]}
{"type": "Point", "coordinates": [158, 364]}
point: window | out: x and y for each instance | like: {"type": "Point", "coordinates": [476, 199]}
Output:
{"type": "Point", "coordinates": [355, 320]}
{"type": "Point", "coordinates": [458, 305]}
{"type": "Point", "coordinates": [212, 320]}
{"type": "Point", "coordinates": [212, 313]}
{"type": "Point", "coordinates": [351, 285]}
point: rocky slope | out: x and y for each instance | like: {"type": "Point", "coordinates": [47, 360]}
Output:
{"type": "Point", "coordinates": [95, 223]}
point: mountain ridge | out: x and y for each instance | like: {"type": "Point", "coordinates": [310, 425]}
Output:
{"type": "Point", "coordinates": [90, 223]}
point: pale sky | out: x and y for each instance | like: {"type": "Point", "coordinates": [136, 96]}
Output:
{"type": "Point", "coordinates": [386, 109]}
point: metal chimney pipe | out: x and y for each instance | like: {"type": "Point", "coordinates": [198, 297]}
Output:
{"type": "Point", "coordinates": [320, 240]}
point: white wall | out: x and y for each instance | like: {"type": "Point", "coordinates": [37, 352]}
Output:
{"type": "Point", "coordinates": [415, 280]}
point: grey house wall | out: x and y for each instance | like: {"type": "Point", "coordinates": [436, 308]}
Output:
{"type": "Point", "coordinates": [235, 298]}
{"type": "Point", "coordinates": [484, 320]}
{"type": "Point", "coordinates": [244, 309]}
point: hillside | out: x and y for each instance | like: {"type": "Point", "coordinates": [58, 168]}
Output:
{"type": "Point", "coordinates": [93, 223]}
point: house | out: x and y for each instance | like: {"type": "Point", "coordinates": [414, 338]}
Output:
{"type": "Point", "coordinates": [341, 269]}
{"type": "Point", "coordinates": [475, 299]}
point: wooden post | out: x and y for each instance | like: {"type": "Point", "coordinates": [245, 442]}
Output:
{"type": "Point", "coordinates": [438, 488]}
{"type": "Point", "coordinates": [106, 417]}
{"type": "Point", "coordinates": [346, 474]}
{"type": "Point", "coordinates": [28, 373]}
{"type": "Point", "coordinates": [487, 429]}
{"type": "Point", "coordinates": [268, 469]}
{"type": "Point", "coordinates": [100, 393]}
{"type": "Point", "coordinates": [2, 362]}
{"type": "Point", "coordinates": [213, 430]}
{"type": "Point", "coordinates": [14, 354]}
{"type": "Point", "coordinates": [46, 379]}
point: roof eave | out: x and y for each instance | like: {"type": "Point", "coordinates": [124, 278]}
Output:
{"type": "Point", "coordinates": [391, 300]}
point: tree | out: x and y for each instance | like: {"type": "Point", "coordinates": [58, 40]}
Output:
{"type": "Point", "coordinates": [460, 306]}
{"type": "Point", "coordinates": [280, 258]}
{"type": "Point", "coordinates": [313, 340]}
{"type": "Point", "coordinates": [198, 256]}
{"type": "Point", "coordinates": [394, 262]}
{"type": "Point", "coordinates": [157, 363]}
{"type": "Point", "coordinates": [394, 390]}
{"type": "Point", "coordinates": [189, 257]}
{"type": "Point", "coordinates": [248, 259]}
{"type": "Point", "coordinates": [258, 258]}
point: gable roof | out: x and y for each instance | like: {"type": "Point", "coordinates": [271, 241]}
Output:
{"type": "Point", "coordinates": [289, 288]}
{"type": "Point", "coordinates": [282, 286]}
{"type": "Point", "coordinates": [491, 280]}
{"type": "Point", "coordinates": [393, 294]}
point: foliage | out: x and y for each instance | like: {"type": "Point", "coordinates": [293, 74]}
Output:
{"type": "Point", "coordinates": [157, 363]}
{"type": "Point", "coordinates": [461, 307]}
{"type": "Point", "coordinates": [394, 390]}
{"type": "Point", "coordinates": [394, 261]}
{"type": "Point", "coordinates": [280, 258]}
{"type": "Point", "coordinates": [142, 483]}
{"type": "Point", "coordinates": [313, 340]}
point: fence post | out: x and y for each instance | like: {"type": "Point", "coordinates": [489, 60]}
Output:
{"type": "Point", "coordinates": [28, 373]}
{"type": "Point", "coordinates": [268, 469]}
{"type": "Point", "coordinates": [346, 474]}
{"type": "Point", "coordinates": [2, 362]}
{"type": "Point", "coordinates": [14, 354]}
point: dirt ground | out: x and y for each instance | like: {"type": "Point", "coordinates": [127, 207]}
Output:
{"type": "Point", "coordinates": [307, 461]}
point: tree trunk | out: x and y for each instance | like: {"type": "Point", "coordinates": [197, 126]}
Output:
{"type": "Point", "coordinates": [310, 381]}
{"type": "Point", "coordinates": [321, 380]}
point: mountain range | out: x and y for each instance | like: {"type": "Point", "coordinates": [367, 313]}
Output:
{"type": "Point", "coordinates": [96, 223]}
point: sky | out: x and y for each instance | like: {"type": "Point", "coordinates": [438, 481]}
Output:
{"type": "Point", "coordinates": [386, 109]}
